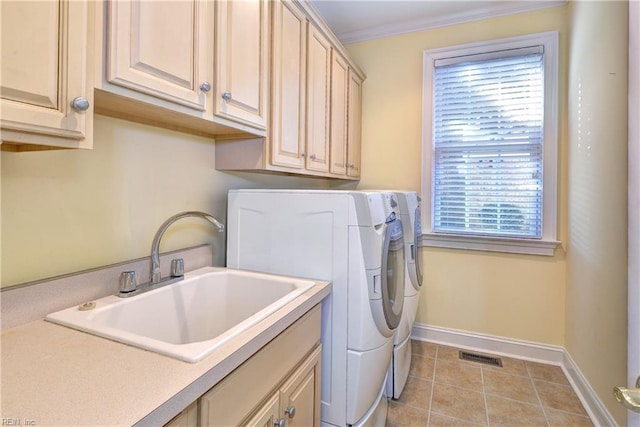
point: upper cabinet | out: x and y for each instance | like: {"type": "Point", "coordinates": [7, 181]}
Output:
{"type": "Point", "coordinates": [354, 125]}
{"type": "Point", "coordinates": [46, 81]}
{"type": "Point", "coordinates": [159, 49]}
{"type": "Point", "coordinates": [242, 61]}
{"type": "Point", "coordinates": [346, 118]}
{"type": "Point", "coordinates": [158, 64]}
{"type": "Point", "coordinates": [288, 89]}
{"type": "Point", "coordinates": [339, 105]}
{"type": "Point", "coordinates": [318, 92]}
{"type": "Point", "coordinates": [266, 78]}
{"type": "Point", "coordinates": [314, 126]}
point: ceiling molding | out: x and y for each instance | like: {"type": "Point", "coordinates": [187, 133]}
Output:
{"type": "Point", "coordinates": [493, 11]}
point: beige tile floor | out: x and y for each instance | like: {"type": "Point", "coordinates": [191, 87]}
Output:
{"type": "Point", "coordinates": [443, 390]}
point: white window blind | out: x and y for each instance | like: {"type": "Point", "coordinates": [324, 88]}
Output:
{"type": "Point", "coordinates": [488, 127]}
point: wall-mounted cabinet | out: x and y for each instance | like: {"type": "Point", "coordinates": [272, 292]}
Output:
{"type": "Point", "coordinates": [160, 49]}
{"type": "Point", "coordinates": [288, 90]}
{"type": "Point", "coordinates": [346, 119]}
{"type": "Point", "coordinates": [267, 79]}
{"type": "Point", "coordinates": [313, 130]}
{"type": "Point", "coordinates": [158, 62]}
{"type": "Point", "coordinates": [339, 113]}
{"type": "Point", "coordinates": [354, 124]}
{"type": "Point", "coordinates": [242, 61]}
{"type": "Point", "coordinates": [318, 95]}
{"type": "Point", "coordinates": [46, 75]}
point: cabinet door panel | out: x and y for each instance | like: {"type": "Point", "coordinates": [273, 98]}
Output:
{"type": "Point", "coordinates": [302, 393]}
{"type": "Point", "coordinates": [318, 81]}
{"type": "Point", "coordinates": [44, 61]}
{"type": "Point", "coordinates": [289, 85]}
{"type": "Point", "coordinates": [339, 98]}
{"type": "Point", "coordinates": [154, 48]}
{"type": "Point", "coordinates": [30, 75]}
{"type": "Point", "coordinates": [187, 418]}
{"type": "Point", "coordinates": [354, 125]}
{"type": "Point", "coordinates": [266, 415]}
{"type": "Point", "coordinates": [242, 60]}
{"type": "Point", "coordinates": [156, 25]}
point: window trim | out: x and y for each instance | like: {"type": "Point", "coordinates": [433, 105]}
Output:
{"type": "Point", "coordinates": [547, 244]}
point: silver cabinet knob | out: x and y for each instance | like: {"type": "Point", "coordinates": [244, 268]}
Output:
{"type": "Point", "coordinates": [280, 422]}
{"type": "Point", "coordinates": [80, 103]}
{"type": "Point", "coordinates": [205, 87]}
{"type": "Point", "coordinates": [303, 155]}
{"type": "Point", "coordinates": [312, 157]}
{"type": "Point", "coordinates": [226, 95]}
{"type": "Point", "coordinates": [290, 411]}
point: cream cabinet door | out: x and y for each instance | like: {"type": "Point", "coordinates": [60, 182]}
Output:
{"type": "Point", "coordinates": [287, 135]}
{"type": "Point", "coordinates": [339, 99]}
{"type": "Point", "coordinates": [318, 87]}
{"type": "Point", "coordinates": [242, 61]}
{"type": "Point", "coordinates": [354, 123]}
{"type": "Point", "coordinates": [300, 395]}
{"type": "Point", "coordinates": [266, 415]}
{"type": "Point", "coordinates": [158, 48]}
{"type": "Point", "coordinates": [186, 418]}
{"type": "Point", "coordinates": [44, 68]}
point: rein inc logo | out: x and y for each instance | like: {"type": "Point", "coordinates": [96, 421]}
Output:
{"type": "Point", "coordinates": [17, 422]}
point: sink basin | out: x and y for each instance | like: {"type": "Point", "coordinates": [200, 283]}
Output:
{"type": "Point", "coordinates": [189, 319]}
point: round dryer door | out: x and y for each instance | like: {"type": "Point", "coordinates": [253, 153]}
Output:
{"type": "Point", "coordinates": [393, 273]}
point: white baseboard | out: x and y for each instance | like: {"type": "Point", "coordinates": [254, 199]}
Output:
{"type": "Point", "coordinates": [526, 350]}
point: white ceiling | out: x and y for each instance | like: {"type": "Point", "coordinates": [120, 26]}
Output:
{"type": "Point", "coordinates": [359, 20]}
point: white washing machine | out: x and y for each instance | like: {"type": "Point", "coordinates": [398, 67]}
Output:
{"type": "Point", "coordinates": [409, 214]}
{"type": "Point", "coordinates": [354, 240]}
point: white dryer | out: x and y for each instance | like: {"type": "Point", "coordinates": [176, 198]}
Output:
{"type": "Point", "coordinates": [409, 214]}
{"type": "Point", "coordinates": [354, 240]}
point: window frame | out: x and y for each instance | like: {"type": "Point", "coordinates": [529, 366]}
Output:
{"type": "Point", "coordinates": [545, 245]}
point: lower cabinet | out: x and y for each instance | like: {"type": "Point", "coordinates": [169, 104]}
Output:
{"type": "Point", "coordinates": [295, 403]}
{"type": "Point", "coordinates": [300, 395]}
{"type": "Point", "coordinates": [277, 386]}
{"type": "Point", "coordinates": [186, 418]}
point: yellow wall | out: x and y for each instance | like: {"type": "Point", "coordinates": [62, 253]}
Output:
{"type": "Point", "coordinates": [597, 238]}
{"type": "Point", "coordinates": [68, 210]}
{"type": "Point", "coordinates": [515, 296]}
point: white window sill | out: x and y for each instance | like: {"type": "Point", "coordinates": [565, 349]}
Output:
{"type": "Point", "coordinates": [491, 244]}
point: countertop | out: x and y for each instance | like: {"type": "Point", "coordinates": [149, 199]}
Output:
{"type": "Point", "coordinates": [54, 375]}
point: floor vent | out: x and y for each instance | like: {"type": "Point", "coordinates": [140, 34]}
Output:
{"type": "Point", "coordinates": [487, 360]}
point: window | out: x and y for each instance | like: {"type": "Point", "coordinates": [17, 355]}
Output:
{"type": "Point", "coordinates": [490, 145]}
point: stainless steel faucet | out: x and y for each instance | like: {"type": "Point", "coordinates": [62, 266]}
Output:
{"type": "Point", "coordinates": [155, 246]}
{"type": "Point", "coordinates": [128, 285]}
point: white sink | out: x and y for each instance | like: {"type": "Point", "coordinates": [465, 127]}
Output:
{"type": "Point", "coordinates": [190, 319]}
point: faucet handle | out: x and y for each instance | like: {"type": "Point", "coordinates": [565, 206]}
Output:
{"type": "Point", "coordinates": [177, 267]}
{"type": "Point", "coordinates": [128, 282]}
